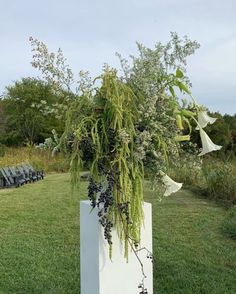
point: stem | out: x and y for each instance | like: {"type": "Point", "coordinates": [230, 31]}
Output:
{"type": "Point", "coordinates": [194, 100]}
{"type": "Point", "coordinates": [196, 122]}
{"type": "Point", "coordinates": [130, 240]}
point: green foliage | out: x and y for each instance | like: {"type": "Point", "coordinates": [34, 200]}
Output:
{"type": "Point", "coordinates": [229, 223]}
{"type": "Point", "coordinates": [160, 64]}
{"type": "Point", "coordinates": [220, 178]}
{"type": "Point", "coordinates": [188, 169]}
{"type": "Point", "coordinates": [2, 150]}
{"type": "Point", "coordinates": [222, 132]}
{"type": "Point", "coordinates": [24, 109]}
{"type": "Point", "coordinates": [152, 75]}
{"type": "Point", "coordinates": [54, 68]}
{"type": "Point", "coordinates": [50, 144]}
{"type": "Point", "coordinates": [104, 141]}
{"type": "Point", "coordinates": [231, 122]}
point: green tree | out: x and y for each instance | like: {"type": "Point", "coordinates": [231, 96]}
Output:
{"type": "Point", "coordinates": [231, 121]}
{"type": "Point", "coordinates": [27, 111]}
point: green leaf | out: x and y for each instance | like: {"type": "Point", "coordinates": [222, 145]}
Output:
{"type": "Point", "coordinates": [187, 113]}
{"type": "Point", "coordinates": [184, 88]}
{"type": "Point", "coordinates": [172, 91]}
{"type": "Point", "coordinates": [179, 73]}
{"type": "Point", "coordinates": [189, 124]}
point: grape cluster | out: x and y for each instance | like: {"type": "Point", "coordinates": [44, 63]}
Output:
{"type": "Point", "coordinates": [106, 199]}
{"type": "Point", "coordinates": [103, 200]}
{"type": "Point", "coordinates": [107, 225]}
{"type": "Point", "coordinates": [70, 142]}
{"type": "Point", "coordinates": [124, 209]}
{"type": "Point", "coordinates": [93, 189]}
{"type": "Point", "coordinates": [143, 289]}
{"type": "Point", "coordinates": [87, 147]}
{"type": "Point", "coordinates": [111, 134]}
{"type": "Point", "coordinates": [101, 166]}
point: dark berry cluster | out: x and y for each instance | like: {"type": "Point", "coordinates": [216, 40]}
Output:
{"type": "Point", "coordinates": [101, 166]}
{"type": "Point", "coordinates": [93, 189]}
{"type": "Point", "coordinates": [104, 202]}
{"type": "Point", "coordinates": [143, 289]}
{"type": "Point", "coordinates": [105, 198]}
{"type": "Point", "coordinates": [150, 256]}
{"type": "Point", "coordinates": [70, 142]}
{"type": "Point", "coordinates": [107, 225]}
{"type": "Point", "coordinates": [101, 196]}
{"type": "Point", "coordinates": [111, 135]}
{"type": "Point", "coordinates": [87, 147]}
{"type": "Point", "coordinates": [124, 210]}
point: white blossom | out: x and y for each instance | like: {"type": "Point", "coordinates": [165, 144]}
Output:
{"type": "Point", "coordinates": [207, 144]}
{"type": "Point", "coordinates": [204, 119]}
{"type": "Point", "coordinates": [171, 185]}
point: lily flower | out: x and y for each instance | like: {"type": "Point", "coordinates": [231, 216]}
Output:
{"type": "Point", "coordinates": [204, 119]}
{"type": "Point", "coordinates": [207, 144]}
{"type": "Point", "coordinates": [171, 185]}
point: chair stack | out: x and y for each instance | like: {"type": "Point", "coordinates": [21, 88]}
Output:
{"type": "Point", "coordinates": [19, 175]}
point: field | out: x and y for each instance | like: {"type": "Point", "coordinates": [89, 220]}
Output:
{"type": "Point", "coordinates": [39, 242]}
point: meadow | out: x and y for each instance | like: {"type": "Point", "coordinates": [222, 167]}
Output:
{"type": "Point", "coordinates": [40, 159]}
{"type": "Point", "coordinates": [39, 241]}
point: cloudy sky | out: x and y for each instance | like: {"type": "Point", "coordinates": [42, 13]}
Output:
{"type": "Point", "coordinates": [90, 32]}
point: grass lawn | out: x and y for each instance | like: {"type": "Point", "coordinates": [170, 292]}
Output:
{"type": "Point", "coordinates": [39, 242]}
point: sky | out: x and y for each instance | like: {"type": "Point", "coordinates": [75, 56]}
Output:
{"type": "Point", "coordinates": [90, 32]}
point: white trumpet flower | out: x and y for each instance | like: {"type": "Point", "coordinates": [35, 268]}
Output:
{"type": "Point", "coordinates": [171, 185]}
{"type": "Point", "coordinates": [204, 119]}
{"type": "Point", "coordinates": [207, 144]}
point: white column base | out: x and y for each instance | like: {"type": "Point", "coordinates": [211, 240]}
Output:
{"type": "Point", "coordinates": [100, 275]}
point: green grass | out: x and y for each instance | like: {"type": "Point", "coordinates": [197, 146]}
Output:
{"type": "Point", "coordinates": [39, 242]}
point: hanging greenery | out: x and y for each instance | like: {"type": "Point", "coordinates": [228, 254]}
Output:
{"type": "Point", "coordinates": [104, 142]}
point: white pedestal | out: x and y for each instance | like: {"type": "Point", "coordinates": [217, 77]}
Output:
{"type": "Point", "coordinates": [100, 275]}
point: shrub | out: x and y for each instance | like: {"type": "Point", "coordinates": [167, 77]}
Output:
{"type": "Point", "coordinates": [220, 181]}
{"type": "Point", "coordinates": [2, 150]}
{"type": "Point", "coordinates": [188, 172]}
{"type": "Point", "coordinates": [229, 223]}
{"type": "Point", "coordinates": [188, 169]}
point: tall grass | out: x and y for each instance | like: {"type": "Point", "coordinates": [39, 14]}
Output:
{"type": "Point", "coordinates": [220, 179]}
{"type": "Point", "coordinates": [188, 171]}
{"type": "Point", "coordinates": [214, 178]}
{"type": "Point", "coordinates": [39, 159]}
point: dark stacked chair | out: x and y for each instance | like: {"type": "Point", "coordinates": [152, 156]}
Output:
{"type": "Point", "coordinates": [19, 175]}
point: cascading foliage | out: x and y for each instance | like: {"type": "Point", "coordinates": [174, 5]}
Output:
{"type": "Point", "coordinates": [104, 141]}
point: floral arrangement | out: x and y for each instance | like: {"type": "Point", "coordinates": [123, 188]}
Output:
{"type": "Point", "coordinates": [125, 128]}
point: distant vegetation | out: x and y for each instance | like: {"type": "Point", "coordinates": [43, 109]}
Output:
{"type": "Point", "coordinates": [23, 117]}
{"type": "Point", "coordinates": [40, 159]}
